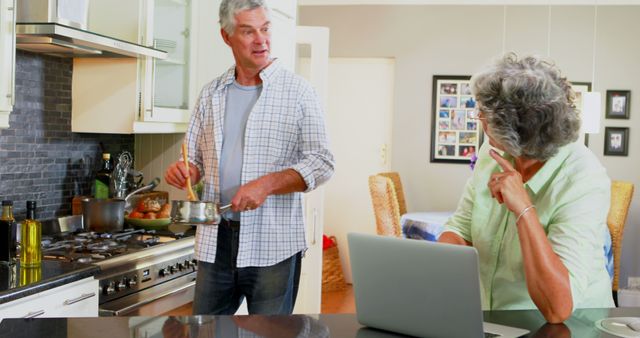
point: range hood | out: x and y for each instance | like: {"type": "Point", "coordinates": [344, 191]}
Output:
{"type": "Point", "coordinates": [65, 41]}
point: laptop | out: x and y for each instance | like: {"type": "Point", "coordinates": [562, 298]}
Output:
{"type": "Point", "coordinates": [419, 288]}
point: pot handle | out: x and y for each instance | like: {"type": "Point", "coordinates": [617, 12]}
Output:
{"type": "Point", "coordinates": [225, 208]}
{"type": "Point", "coordinates": [154, 183]}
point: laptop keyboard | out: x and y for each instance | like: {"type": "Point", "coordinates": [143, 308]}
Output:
{"type": "Point", "coordinates": [491, 335]}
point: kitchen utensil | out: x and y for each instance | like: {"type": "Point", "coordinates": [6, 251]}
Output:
{"type": "Point", "coordinates": [191, 196]}
{"type": "Point", "coordinates": [197, 212]}
{"type": "Point", "coordinates": [107, 215]}
{"type": "Point", "coordinates": [119, 175]}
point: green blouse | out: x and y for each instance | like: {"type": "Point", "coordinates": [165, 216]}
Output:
{"type": "Point", "coordinates": [571, 193]}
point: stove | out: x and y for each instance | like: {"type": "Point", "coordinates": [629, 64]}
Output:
{"type": "Point", "coordinates": [142, 272]}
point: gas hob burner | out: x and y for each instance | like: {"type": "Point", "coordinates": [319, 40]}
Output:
{"type": "Point", "coordinates": [92, 246]}
{"type": "Point", "coordinates": [103, 246]}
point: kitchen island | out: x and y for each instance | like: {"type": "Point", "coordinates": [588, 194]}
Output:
{"type": "Point", "coordinates": [581, 324]}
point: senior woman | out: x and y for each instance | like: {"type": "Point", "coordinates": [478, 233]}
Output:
{"type": "Point", "coordinates": [536, 205]}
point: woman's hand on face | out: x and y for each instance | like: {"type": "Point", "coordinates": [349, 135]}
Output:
{"type": "Point", "coordinates": [507, 186]}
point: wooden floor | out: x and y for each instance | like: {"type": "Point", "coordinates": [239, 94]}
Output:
{"type": "Point", "coordinates": [338, 301]}
{"type": "Point", "coordinates": [332, 302]}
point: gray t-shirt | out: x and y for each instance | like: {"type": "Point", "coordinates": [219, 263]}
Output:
{"type": "Point", "coordinates": [240, 101]}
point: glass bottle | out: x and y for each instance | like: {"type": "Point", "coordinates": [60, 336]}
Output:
{"type": "Point", "coordinates": [103, 178]}
{"type": "Point", "coordinates": [31, 237]}
{"type": "Point", "coordinates": [7, 233]}
{"type": "Point", "coordinates": [29, 275]}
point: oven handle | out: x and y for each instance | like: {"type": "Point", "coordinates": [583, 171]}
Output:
{"type": "Point", "coordinates": [134, 306]}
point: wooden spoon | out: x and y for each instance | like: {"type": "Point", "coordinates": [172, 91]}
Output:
{"type": "Point", "coordinates": [191, 196]}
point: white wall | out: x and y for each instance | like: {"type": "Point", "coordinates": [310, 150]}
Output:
{"type": "Point", "coordinates": [459, 40]}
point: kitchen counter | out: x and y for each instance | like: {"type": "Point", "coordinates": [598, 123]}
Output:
{"type": "Point", "coordinates": [581, 324]}
{"type": "Point", "coordinates": [17, 283]}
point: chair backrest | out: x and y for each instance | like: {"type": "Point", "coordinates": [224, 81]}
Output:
{"type": "Point", "coordinates": [395, 177]}
{"type": "Point", "coordinates": [621, 193]}
{"type": "Point", "coordinates": [385, 206]}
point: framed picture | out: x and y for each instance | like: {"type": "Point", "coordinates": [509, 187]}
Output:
{"type": "Point", "coordinates": [616, 141]}
{"type": "Point", "coordinates": [618, 104]}
{"type": "Point", "coordinates": [455, 137]}
{"type": "Point", "coordinates": [578, 89]}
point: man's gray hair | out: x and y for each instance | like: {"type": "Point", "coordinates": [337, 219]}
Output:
{"type": "Point", "coordinates": [229, 9]}
{"type": "Point", "coordinates": [528, 106]}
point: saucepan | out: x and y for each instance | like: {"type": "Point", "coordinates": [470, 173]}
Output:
{"type": "Point", "coordinates": [107, 215]}
{"type": "Point", "coordinates": [197, 212]}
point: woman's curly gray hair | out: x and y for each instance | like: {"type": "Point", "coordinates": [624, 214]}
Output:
{"type": "Point", "coordinates": [229, 9]}
{"type": "Point", "coordinates": [528, 106]}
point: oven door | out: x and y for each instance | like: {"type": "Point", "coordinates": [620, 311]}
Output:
{"type": "Point", "coordinates": [153, 301]}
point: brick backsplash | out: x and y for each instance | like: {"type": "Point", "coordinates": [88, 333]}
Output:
{"type": "Point", "coordinates": [40, 158]}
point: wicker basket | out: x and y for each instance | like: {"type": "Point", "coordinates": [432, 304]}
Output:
{"type": "Point", "coordinates": [332, 276]}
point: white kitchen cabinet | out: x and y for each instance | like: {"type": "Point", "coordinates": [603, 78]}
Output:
{"type": "Point", "coordinates": [77, 299]}
{"type": "Point", "coordinates": [7, 59]}
{"type": "Point", "coordinates": [145, 95]}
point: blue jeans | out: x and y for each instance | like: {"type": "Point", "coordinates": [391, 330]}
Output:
{"type": "Point", "coordinates": [221, 286]}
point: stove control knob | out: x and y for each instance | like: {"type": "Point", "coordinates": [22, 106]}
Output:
{"type": "Point", "coordinates": [109, 289]}
{"type": "Point", "coordinates": [180, 266]}
{"type": "Point", "coordinates": [131, 282]}
{"type": "Point", "coordinates": [187, 264]}
{"type": "Point", "coordinates": [162, 272]}
{"type": "Point", "coordinates": [121, 285]}
{"type": "Point", "coordinates": [172, 269]}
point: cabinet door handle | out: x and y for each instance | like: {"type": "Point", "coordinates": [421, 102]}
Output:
{"type": "Point", "coordinates": [81, 298]}
{"type": "Point", "coordinates": [315, 219]}
{"type": "Point", "coordinates": [34, 314]}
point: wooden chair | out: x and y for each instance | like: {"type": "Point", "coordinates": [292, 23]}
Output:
{"type": "Point", "coordinates": [395, 177]}
{"type": "Point", "coordinates": [621, 193]}
{"type": "Point", "coordinates": [385, 206]}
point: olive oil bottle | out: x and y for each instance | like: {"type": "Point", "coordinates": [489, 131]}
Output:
{"type": "Point", "coordinates": [31, 237]}
{"type": "Point", "coordinates": [30, 275]}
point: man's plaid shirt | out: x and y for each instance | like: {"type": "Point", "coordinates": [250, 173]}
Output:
{"type": "Point", "coordinates": [285, 130]}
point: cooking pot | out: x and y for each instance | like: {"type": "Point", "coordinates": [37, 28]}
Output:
{"type": "Point", "coordinates": [197, 212]}
{"type": "Point", "coordinates": [107, 215]}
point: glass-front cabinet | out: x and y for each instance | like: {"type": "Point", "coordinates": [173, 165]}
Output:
{"type": "Point", "coordinates": [7, 60]}
{"type": "Point", "coordinates": [144, 95]}
{"type": "Point", "coordinates": [169, 83]}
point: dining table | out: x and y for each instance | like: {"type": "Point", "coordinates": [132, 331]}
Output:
{"type": "Point", "coordinates": [584, 323]}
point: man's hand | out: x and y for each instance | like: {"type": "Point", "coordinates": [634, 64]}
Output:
{"type": "Point", "coordinates": [250, 196]}
{"type": "Point", "coordinates": [176, 174]}
{"type": "Point", "coordinates": [507, 186]}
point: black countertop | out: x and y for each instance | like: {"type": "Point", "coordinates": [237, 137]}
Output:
{"type": "Point", "coordinates": [581, 324]}
{"type": "Point", "coordinates": [17, 282]}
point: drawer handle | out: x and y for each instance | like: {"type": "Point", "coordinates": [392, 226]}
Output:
{"type": "Point", "coordinates": [81, 298]}
{"type": "Point", "coordinates": [34, 314]}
